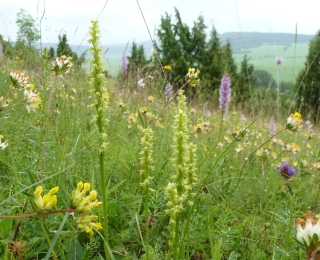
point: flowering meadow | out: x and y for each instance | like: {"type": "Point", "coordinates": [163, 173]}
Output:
{"type": "Point", "coordinates": [137, 168]}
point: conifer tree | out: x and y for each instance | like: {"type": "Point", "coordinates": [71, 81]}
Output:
{"type": "Point", "coordinates": [183, 36]}
{"type": "Point", "coordinates": [138, 57]}
{"type": "Point", "coordinates": [64, 48]}
{"type": "Point", "coordinates": [198, 43]}
{"type": "Point", "coordinates": [212, 70]}
{"type": "Point", "coordinates": [243, 90]}
{"type": "Point", "coordinates": [169, 48]}
{"type": "Point", "coordinates": [51, 53]}
{"type": "Point", "coordinates": [180, 46]}
{"type": "Point", "coordinates": [308, 82]}
{"type": "Point", "coordinates": [230, 66]}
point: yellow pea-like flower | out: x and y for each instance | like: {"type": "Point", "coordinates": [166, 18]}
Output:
{"type": "Point", "coordinates": [48, 200]}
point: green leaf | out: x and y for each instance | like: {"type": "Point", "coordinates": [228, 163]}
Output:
{"type": "Point", "coordinates": [5, 226]}
{"type": "Point", "coordinates": [112, 207]}
{"type": "Point", "coordinates": [76, 251]}
{"type": "Point", "coordinates": [56, 237]}
{"type": "Point", "coordinates": [114, 188]}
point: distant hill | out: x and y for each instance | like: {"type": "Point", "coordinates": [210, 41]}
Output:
{"type": "Point", "coordinates": [247, 40]}
{"type": "Point", "coordinates": [261, 48]}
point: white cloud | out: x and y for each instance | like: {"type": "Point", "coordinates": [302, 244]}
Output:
{"type": "Point", "coordinates": [121, 20]}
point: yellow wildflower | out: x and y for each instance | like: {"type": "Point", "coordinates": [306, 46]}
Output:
{"type": "Point", "coordinates": [151, 99]}
{"type": "Point", "coordinates": [143, 110]}
{"type": "Point", "coordinates": [48, 200]}
{"type": "Point", "coordinates": [192, 76]}
{"type": "Point", "coordinates": [85, 223]}
{"type": "Point", "coordinates": [167, 67]}
{"type": "Point", "coordinates": [294, 122]}
{"type": "Point", "coordinates": [132, 120]}
{"type": "Point", "coordinates": [83, 203]}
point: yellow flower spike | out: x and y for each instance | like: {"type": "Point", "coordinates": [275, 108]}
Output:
{"type": "Point", "coordinates": [83, 202]}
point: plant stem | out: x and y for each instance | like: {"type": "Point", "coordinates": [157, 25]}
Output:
{"type": "Point", "coordinates": [188, 230]}
{"type": "Point", "coordinates": [171, 98]}
{"type": "Point", "coordinates": [47, 122]}
{"type": "Point", "coordinates": [104, 203]}
{"type": "Point", "coordinates": [5, 98]}
{"type": "Point", "coordinates": [147, 220]}
{"type": "Point", "coordinates": [44, 213]}
{"type": "Point", "coordinates": [47, 238]}
{"type": "Point", "coordinates": [316, 202]}
{"type": "Point", "coordinates": [176, 238]}
{"type": "Point", "coordinates": [221, 122]}
{"type": "Point", "coordinates": [245, 163]}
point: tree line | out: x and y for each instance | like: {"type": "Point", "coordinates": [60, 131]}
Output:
{"type": "Point", "coordinates": [181, 47]}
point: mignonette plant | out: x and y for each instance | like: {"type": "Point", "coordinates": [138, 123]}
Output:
{"type": "Point", "coordinates": [136, 167]}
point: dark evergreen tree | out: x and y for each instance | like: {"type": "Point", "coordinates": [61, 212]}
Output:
{"type": "Point", "coordinates": [138, 57]}
{"type": "Point", "coordinates": [183, 37]}
{"type": "Point", "coordinates": [264, 79]}
{"type": "Point", "coordinates": [64, 48]}
{"type": "Point", "coordinates": [242, 91]}
{"type": "Point", "coordinates": [169, 49]}
{"type": "Point", "coordinates": [198, 43]}
{"type": "Point", "coordinates": [51, 53]}
{"type": "Point", "coordinates": [230, 66]}
{"type": "Point", "coordinates": [308, 82]}
{"type": "Point", "coordinates": [213, 66]}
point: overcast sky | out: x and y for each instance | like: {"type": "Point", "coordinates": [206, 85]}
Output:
{"type": "Point", "coordinates": [121, 20]}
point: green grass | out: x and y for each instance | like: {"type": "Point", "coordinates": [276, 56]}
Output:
{"type": "Point", "coordinates": [243, 207]}
{"type": "Point", "coordinates": [263, 59]}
